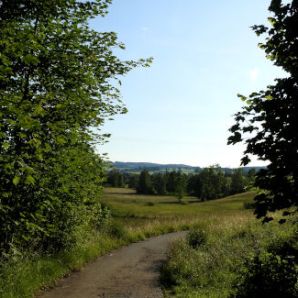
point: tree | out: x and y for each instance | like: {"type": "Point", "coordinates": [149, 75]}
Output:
{"type": "Point", "coordinates": [267, 124]}
{"type": "Point", "coordinates": [194, 185]}
{"type": "Point", "coordinates": [180, 185]}
{"type": "Point", "coordinates": [213, 183]}
{"type": "Point", "coordinates": [145, 183]}
{"type": "Point", "coordinates": [159, 183]}
{"type": "Point", "coordinates": [58, 83]}
{"type": "Point", "coordinates": [237, 181]}
{"type": "Point", "coordinates": [115, 178]}
{"type": "Point", "coordinates": [170, 178]}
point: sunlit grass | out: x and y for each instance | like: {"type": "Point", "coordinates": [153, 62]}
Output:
{"type": "Point", "coordinates": [135, 217]}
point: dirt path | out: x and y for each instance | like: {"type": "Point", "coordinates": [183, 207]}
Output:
{"type": "Point", "coordinates": [129, 272]}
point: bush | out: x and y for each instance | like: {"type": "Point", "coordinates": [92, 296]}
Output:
{"type": "Point", "coordinates": [196, 238]}
{"type": "Point", "coordinates": [249, 205]}
{"type": "Point", "coordinates": [102, 216]}
{"type": "Point", "coordinates": [268, 275]}
{"type": "Point", "coordinates": [150, 204]}
{"type": "Point", "coordinates": [117, 230]}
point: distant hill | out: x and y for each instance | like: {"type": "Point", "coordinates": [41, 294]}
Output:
{"type": "Point", "coordinates": [156, 167]}
{"type": "Point", "coordinates": [152, 167]}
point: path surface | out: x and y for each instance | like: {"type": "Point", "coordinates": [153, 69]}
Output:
{"type": "Point", "coordinates": [129, 272]}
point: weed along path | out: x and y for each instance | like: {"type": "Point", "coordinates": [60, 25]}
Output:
{"type": "Point", "coordinates": [129, 272]}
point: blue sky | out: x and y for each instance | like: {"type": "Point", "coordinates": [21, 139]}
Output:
{"type": "Point", "coordinates": [181, 107]}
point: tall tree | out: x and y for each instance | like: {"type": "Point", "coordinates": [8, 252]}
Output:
{"type": "Point", "coordinates": [180, 185]}
{"type": "Point", "coordinates": [267, 124]}
{"type": "Point", "coordinates": [159, 183]}
{"type": "Point", "coordinates": [145, 183]}
{"type": "Point", "coordinates": [237, 181]}
{"type": "Point", "coordinates": [58, 81]}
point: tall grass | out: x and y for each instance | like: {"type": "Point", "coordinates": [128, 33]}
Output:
{"type": "Point", "coordinates": [215, 267]}
{"type": "Point", "coordinates": [135, 217]}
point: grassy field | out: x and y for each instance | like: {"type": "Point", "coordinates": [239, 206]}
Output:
{"type": "Point", "coordinates": [136, 217]}
{"type": "Point", "coordinates": [224, 238]}
{"type": "Point", "coordinates": [145, 215]}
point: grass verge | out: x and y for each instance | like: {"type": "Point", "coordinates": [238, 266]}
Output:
{"type": "Point", "coordinates": [212, 261]}
{"type": "Point", "coordinates": [135, 217]}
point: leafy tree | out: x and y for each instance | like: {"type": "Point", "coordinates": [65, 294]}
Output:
{"type": "Point", "coordinates": [194, 185]}
{"type": "Point", "coordinates": [58, 82]}
{"type": "Point", "coordinates": [132, 180]}
{"type": "Point", "coordinates": [145, 183]}
{"type": "Point", "coordinates": [251, 174]}
{"type": "Point", "coordinates": [159, 183]}
{"type": "Point", "coordinates": [180, 185]}
{"type": "Point", "coordinates": [237, 182]}
{"type": "Point", "coordinates": [267, 124]}
{"type": "Point", "coordinates": [170, 177]}
{"type": "Point", "coordinates": [115, 179]}
{"type": "Point", "coordinates": [212, 183]}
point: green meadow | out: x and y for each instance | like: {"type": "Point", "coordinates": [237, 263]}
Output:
{"type": "Point", "coordinates": [232, 234]}
{"type": "Point", "coordinates": [161, 214]}
{"type": "Point", "coordinates": [224, 244]}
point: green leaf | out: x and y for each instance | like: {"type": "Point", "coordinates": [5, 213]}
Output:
{"type": "Point", "coordinates": [16, 180]}
{"type": "Point", "coordinates": [29, 180]}
{"type": "Point", "coordinates": [5, 145]}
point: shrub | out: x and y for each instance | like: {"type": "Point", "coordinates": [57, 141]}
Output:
{"type": "Point", "coordinates": [117, 230]}
{"type": "Point", "coordinates": [102, 216]}
{"type": "Point", "coordinates": [150, 204]}
{"type": "Point", "coordinates": [249, 205]}
{"type": "Point", "coordinates": [196, 238]}
{"type": "Point", "coordinates": [268, 275]}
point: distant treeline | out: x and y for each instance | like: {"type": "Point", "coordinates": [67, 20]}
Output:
{"type": "Point", "coordinates": [209, 183]}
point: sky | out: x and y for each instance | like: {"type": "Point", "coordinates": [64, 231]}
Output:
{"type": "Point", "coordinates": [180, 109]}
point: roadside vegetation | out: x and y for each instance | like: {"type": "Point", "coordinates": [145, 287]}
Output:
{"type": "Point", "coordinates": [59, 83]}
{"type": "Point", "coordinates": [254, 260]}
{"type": "Point", "coordinates": [127, 217]}
{"type": "Point", "coordinates": [233, 257]}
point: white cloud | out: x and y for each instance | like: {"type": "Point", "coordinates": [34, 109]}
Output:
{"type": "Point", "coordinates": [254, 74]}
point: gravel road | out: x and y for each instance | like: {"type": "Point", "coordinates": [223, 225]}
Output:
{"type": "Point", "coordinates": [128, 272]}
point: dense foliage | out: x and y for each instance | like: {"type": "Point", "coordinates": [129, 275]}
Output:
{"type": "Point", "coordinates": [267, 123]}
{"type": "Point", "coordinates": [209, 183]}
{"type": "Point", "coordinates": [57, 85]}
{"type": "Point", "coordinates": [234, 259]}
{"type": "Point", "coordinates": [270, 273]}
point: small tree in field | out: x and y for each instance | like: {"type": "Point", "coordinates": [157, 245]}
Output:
{"type": "Point", "coordinates": [268, 124]}
{"type": "Point", "coordinates": [180, 186]}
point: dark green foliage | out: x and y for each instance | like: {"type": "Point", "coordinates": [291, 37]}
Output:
{"type": "Point", "coordinates": [132, 180]}
{"type": "Point", "coordinates": [117, 230]}
{"type": "Point", "coordinates": [267, 124]}
{"type": "Point", "coordinates": [145, 183]}
{"type": "Point", "coordinates": [150, 204]}
{"type": "Point", "coordinates": [194, 185]}
{"type": "Point", "coordinates": [237, 181]}
{"type": "Point", "coordinates": [57, 80]}
{"type": "Point", "coordinates": [268, 275]}
{"type": "Point", "coordinates": [249, 205]}
{"type": "Point", "coordinates": [196, 238]}
{"type": "Point", "coordinates": [180, 185]}
{"type": "Point", "coordinates": [171, 181]}
{"type": "Point", "coordinates": [115, 179]}
{"type": "Point", "coordinates": [210, 183]}
{"type": "Point", "coordinates": [159, 183]}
